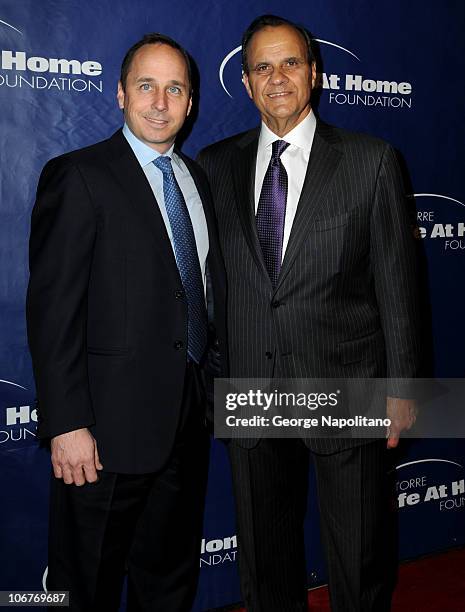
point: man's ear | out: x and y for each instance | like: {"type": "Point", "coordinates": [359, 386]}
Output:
{"type": "Point", "coordinates": [314, 75]}
{"type": "Point", "coordinates": [245, 80]}
{"type": "Point", "coordinates": [120, 96]}
{"type": "Point", "coordinates": [189, 106]}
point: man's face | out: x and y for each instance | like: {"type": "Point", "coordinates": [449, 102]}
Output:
{"type": "Point", "coordinates": [280, 79]}
{"type": "Point", "coordinates": [156, 101]}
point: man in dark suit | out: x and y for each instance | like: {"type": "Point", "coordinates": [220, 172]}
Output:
{"type": "Point", "coordinates": [321, 284]}
{"type": "Point", "coordinates": [122, 242]}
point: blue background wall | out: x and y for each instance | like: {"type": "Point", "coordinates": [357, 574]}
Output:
{"type": "Point", "coordinates": [44, 114]}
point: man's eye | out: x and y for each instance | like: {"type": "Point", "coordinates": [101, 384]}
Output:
{"type": "Point", "coordinates": [291, 63]}
{"type": "Point", "coordinates": [145, 87]}
{"type": "Point", "coordinates": [174, 90]}
{"type": "Point", "coordinates": [263, 68]}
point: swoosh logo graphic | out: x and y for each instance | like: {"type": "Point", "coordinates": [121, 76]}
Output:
{"type": "Point", "coordinates": [44, 579]}
{"type": "Point", "coordinates": [232, 53]}
{"type": "Point", "coordinates": [10, 26]}
{"type": "Point", "coordinates": [435, 195]}
{"type": "Point", "coordinates": [8, 382]}
{"type": "Point", "coordinates": [223, 66]}
{"type": "Point", "coordinates": [402, 465]}
{"type": "Point", "coordinates": [326, 42]}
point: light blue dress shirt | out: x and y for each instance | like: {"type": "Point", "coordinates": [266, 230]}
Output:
{"type": "Point", "coordinates": [145, 156]}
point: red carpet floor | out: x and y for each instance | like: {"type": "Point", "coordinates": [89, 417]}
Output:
{"type": "Point", "coordinates": [431, 584]}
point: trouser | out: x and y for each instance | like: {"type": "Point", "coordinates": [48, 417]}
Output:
{"type": "Point", "coordinates": [357, 526]}
{"type": "Point", "coordinates": [147, 525]}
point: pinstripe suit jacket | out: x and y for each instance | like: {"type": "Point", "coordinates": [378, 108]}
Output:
{"type": "Point", "coordinates": [345, 305]}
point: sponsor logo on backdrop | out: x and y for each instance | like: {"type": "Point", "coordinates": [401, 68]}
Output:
{"type": "Point", "coordinates": [218, 551]}
{"type": "Point", "coordinates": [21, 69]}
{"type": "Point", "coordinates": [421, 489]}
{"type": "Point", "coordinates": [8, 25]}
{"type": "Point", "coordinates": [440, 221]}
{"type": "Point", "coordinates": [18, 421]}
{"type": "Point", "coordinates": [354, 88]}
{"type": "Point", "coordinates": [212, 553]}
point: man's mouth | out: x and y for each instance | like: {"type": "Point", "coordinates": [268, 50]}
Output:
{"type": "Point", "coordinates": [278, 94]}
{"type": "Point", "coordinates": [156, 122]}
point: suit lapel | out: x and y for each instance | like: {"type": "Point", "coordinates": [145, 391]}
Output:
{"type": "Point", "coordinates": [134, 184]}
{"type": "Point", "coordinates": [324, 159]}
{"type": "Point", "coordinates": [243, 171]}
{"type": "Point", "coordinates": [202, 188]}
{"type": "Point", "coordinates": [215, 267]}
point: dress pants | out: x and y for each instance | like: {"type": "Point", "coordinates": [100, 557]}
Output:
{"type": "Point", "coordinates": [148, 525]}
{"type": "Point", "coordinates": [357, 525]}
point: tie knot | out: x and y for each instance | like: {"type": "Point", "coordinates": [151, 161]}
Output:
{"type": "Point", "coordinates": [163, 163]}
{"type": "Point", "coordinates": [279, 146]}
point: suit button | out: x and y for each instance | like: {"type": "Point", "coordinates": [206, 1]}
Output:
{"type": "Point", "coordinates": [268, 355]}
{"type": "Point", "coordinates": [276, 304]}
{"type": "Point", "coordinates": [178, 294]}
{"type": "Point", "coordinates": [178, 344]}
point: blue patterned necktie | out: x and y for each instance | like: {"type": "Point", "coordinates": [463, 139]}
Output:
{"type": "Point", "coordinates": [185, 250]}
{"type": "Point", "coordinates": [271, 211]}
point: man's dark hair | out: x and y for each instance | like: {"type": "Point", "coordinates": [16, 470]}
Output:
{"type": "Point", "coordinates": [272, 21]}
{"type": "Point", "coordinates": [153, 39]}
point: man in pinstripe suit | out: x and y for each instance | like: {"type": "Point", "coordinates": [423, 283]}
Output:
{"type": "Point", "coordinates": [323, 286]}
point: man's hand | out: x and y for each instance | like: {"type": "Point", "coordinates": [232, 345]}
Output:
{"type": "Point", "coordinates": [403, 414]}
{"type": "Point", "coordinates": [75, 457]}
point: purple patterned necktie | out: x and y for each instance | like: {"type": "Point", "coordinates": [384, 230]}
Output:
{"type": "Point", "coordinates": [271, 211]}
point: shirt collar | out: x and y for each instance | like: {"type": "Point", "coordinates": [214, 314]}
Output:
{"type": "Point", "coordinates": [301, 136]}
{"type": "Point", "coordinates": [145, 154]}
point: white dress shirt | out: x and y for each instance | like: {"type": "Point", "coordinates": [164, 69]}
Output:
{"type": "Point", "coordinates": [295, 160]}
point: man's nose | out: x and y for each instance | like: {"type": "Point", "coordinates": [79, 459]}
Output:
{"type": "Point", "coordinates": [278, 76]}
{"type": "Point", "coordinates": [160, 100]}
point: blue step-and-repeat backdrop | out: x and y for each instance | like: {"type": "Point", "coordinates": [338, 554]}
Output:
{"type": "Point", "coordinates": [390, 68]}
